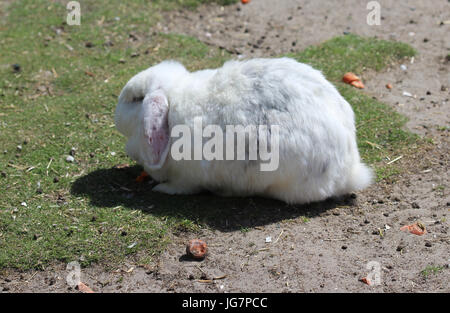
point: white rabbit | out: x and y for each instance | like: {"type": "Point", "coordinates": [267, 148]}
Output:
{"type": "Point", "coordinates": [318, 154]}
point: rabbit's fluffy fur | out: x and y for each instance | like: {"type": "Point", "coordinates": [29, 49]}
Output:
{"type": "Point", "coordinates": [318, 155]}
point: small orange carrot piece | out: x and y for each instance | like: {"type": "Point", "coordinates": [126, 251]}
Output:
{"type": "Point", "coordinates": [142, 177]}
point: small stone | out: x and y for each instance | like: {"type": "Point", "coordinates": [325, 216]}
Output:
{"type": "Point", "coordinates": [344, 247]}
{"type": "Point", "coordinates": [415, 205]}
{"type": "Point", "coordinates": [386, 214]}
{"type": "Point", "coordinates": [407, 94]}
{"type": "Point", "coordinates": [16, 68]}
{"type": "Point", "coordinates": [428, 244]}
{"type": "Point", "coordinates": [70, 159]}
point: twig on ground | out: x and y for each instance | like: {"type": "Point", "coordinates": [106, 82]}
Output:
{"type": "Point", "coordinates": [279, 236]}
{"type": "Point", "coordinates": [395, 160]}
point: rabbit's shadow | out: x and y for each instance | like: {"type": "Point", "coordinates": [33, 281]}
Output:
{"type": "Point", "coordinates": [117, 187]}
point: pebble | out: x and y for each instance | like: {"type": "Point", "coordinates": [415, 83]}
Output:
{"type": "Point", "coordinates": [16, 68]}
{"type": "Point", "coordinates": [428, 244]}
{"type": "Point", "coordinates": [403, 67]}
{"type": "Point", "coordinates": [70, 159]}
{"type": "Point", "coordinates": [407, 94]}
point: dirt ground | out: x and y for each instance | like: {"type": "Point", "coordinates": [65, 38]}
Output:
{"type": "Point", "coordinates": [329, 252]}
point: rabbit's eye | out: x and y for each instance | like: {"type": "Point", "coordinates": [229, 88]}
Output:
{"type": "Point", "coordinates": [138, 99]}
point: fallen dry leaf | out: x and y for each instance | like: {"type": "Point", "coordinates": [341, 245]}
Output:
{"type": "Point", "coordinates": [121, 166]}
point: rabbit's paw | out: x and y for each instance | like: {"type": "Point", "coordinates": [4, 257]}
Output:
{"type": "Point", "coordinates": [174, 189]}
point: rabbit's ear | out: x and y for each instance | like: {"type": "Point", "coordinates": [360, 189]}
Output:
{"type": "Point", "coordinates": [156, 128]}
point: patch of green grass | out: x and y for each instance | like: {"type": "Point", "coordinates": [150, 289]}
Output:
{"type": "Point", "coordinates": [352, 53]}
{"type": "Point", "coordinates": [52, 106]}
{"type": "Point", "coordinates": [431, 270]}
{"type": "Point", "coordinates": [64, 98]}
{"type": "Point", "coordinates": [304, 219]}
{"type": "Point", "coordinates": [245, 230]}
